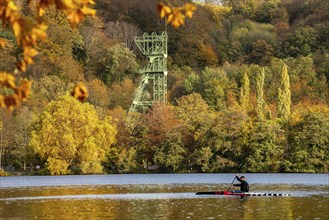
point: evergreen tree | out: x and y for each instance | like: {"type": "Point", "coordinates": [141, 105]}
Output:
{"type": "Point", "coordinates": [284, 94]}
{"type": "Point", "coordinates": [260, 102]}
{"type": "Point", "coordinates": [245, 92]}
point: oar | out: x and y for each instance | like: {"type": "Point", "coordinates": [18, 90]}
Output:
{"type": "Point", "coordinates": [234, 177]}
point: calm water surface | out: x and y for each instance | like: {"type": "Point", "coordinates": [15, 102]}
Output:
{"type": "Point", "coordinates": [162, 196]}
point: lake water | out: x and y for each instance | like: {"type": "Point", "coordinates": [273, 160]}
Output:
{"type": "Point", "coordinates": [162, 196]}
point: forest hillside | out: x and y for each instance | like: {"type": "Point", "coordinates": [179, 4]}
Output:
{"type": "Point", "coordinates": [248, 82]}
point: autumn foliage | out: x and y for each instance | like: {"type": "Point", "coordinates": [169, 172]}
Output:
{"type": "Point", "coordinates": [176, 15]}
{"type": "Point", "coordinates": [247, 82]}
{"type": "Point", "coordinates": [28, 32]}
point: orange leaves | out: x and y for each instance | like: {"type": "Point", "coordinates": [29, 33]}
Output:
{"type": "Point", "coordinates": [163, 10]}
{"type": "Point", "coordinates": [176, 18]}
{"type": "Point", "coordinates": [7, 80]}
{"type": "Point", "coordinates": [75, 9]}
{"type": "Point", "coordinates": [38, 32]}
{"type": "Point", "coordinates": [189, 9]}
{"type": "Point", "coordinates": [27, 33]}
{"type": "Point", "coordinates": [23, 90]}
{"type": "Point", "coordinates": [28, 55]}
{"type": "Point", "coordinates": [28, 41]}
{"type": "Point", "coordinates": [20, 92]}
{"type": "Point", "coordinates": [8, 10]}
{"type": "Point", "coordinates": [80, 92]}
{"type": "Point", "coordinates": [176, 15]}
{"type": "Point", "coordinates": [2, 42]}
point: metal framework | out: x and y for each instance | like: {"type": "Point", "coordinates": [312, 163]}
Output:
{"type": "Point", "coordinates": [154, 74]}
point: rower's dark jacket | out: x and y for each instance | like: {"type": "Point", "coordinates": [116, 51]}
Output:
{"type": "Point", "coordinates": [244, 186]}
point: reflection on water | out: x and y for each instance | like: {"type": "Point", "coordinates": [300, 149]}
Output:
{"type": "Point", "coordinates": [161, 201]}
{"type": "Point", "coordinates": [151, 196]}
{"type": "Point", "coordinates": [141, 179]}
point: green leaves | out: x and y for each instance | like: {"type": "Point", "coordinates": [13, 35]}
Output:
{"type": "Point", "coordinates": [301, 42]}
{"type": "Point", "coordinates": [308, 139]}
{"type": "Point", "coordinates": [284, 94]}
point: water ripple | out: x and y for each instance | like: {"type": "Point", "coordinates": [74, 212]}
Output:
{"type": "Point", "coordinates": [150, 196]}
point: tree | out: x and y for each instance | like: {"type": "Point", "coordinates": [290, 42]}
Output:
{"type": "Point", "coordinates": [245, 92]}
{"type": "Point", "coordinates": [301, 42]}
{"type": "Point", "coordinates": [245, 7]}
{"type": "Point", "coordinates": [44, 90]}
{"type": "Point", "coordinates": [255, 39]}
{"type": "Point", "coordinates": [122, 157]}
{"type": "Point", "coordinates": [260, 102]}
{"type": "Point", "coordinates": [178, 82]}
{"type": "Point", "coordinates": [69, 137]}
{"type": "Point", "coordinates": [261, 52]}
{"type": "Point", "coordinates": [171, 154]}
{"type": "Point", "coordinates": [225, 141]}
{"type": "Point", "coordinates": [195, 113]}
{"type": "Point", "coordinates": [264, 149]}
{"type": "Point", "coordinates": [95, 46]}
{"type": "Point", "coordinates": [6, 139]}
{"type": "Point", "coordinates": [98, 93]}
{"type": "Point", "coordinates": [197, 118]}
{"type": "Point", "coordinates": [164, 137]}
{"type": "Point", "coordinates": [22, 154]}
{"type": "Point", "coordinates": [122, 32]}
{"type": "Point", "coordinates": [120, 63]}
{"type": "Point", "coordinates": [121, 94]}
{"type": "Point", "coordinates": [214, 86]}
{"type": "Point", "coordinates": [304, 83]}
{"type": "Point", "coordinates": [267, 11]}
{"type": "Point", "coordinates": [284, 94]}
{"type": "Point", "coordinates": [308, 140]}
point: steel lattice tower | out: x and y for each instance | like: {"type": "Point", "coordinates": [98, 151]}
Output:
{"type": "Point", "coordinates": [154, 74]}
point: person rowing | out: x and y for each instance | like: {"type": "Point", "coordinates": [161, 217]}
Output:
{"type": "Point", "coordinates": [244, 186]}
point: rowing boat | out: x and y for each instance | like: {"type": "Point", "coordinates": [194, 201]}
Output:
{"type": "Point", "coordinates": [233, 193]}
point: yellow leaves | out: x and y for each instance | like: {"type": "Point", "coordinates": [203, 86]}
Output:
{"type": "Point", "coordinates": [92, 2]}
{"type": "Point", "coordinates": [41, 12]}
{"type": "Point", "coordinates": [80, 92]}
{"type": "Point", "coordinates": [28, 55]}
{"type": "Point", "coordinates": [88, 11]}
{"type": "Point", "coordinates": [27, 34]}
{"type": "Point", "coordinates": [8, 9]}
{"type": "Point", "coordinates": [163, 10]}
{"type": "Point", "coordinates": [23, 91]}
{"type": "Point", "coordinates": [39, 31]}
{"type": "Point", "coordinates": [72, 133]}
{"type": "Point", "coordinates": [176, 18]}
{"type": "Point", "coordinates": [7, 80]}
{"type": "Point", "coordinates": [9, 101]}
{"type": "Point", "coordinates": [11, 6]}
{"type": "Point", "coordinates": [75, 17]}
{"type": "Point", "coordinates": [176, 15]}
{"type": "Point", "coordinates": [75, 9]}
{"type": "Point", "coordinates": [189, 9]}
{"type": "Point", "coordinates": [16, 26]}
{"type": "Point", "coordinates": [20, 93]}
